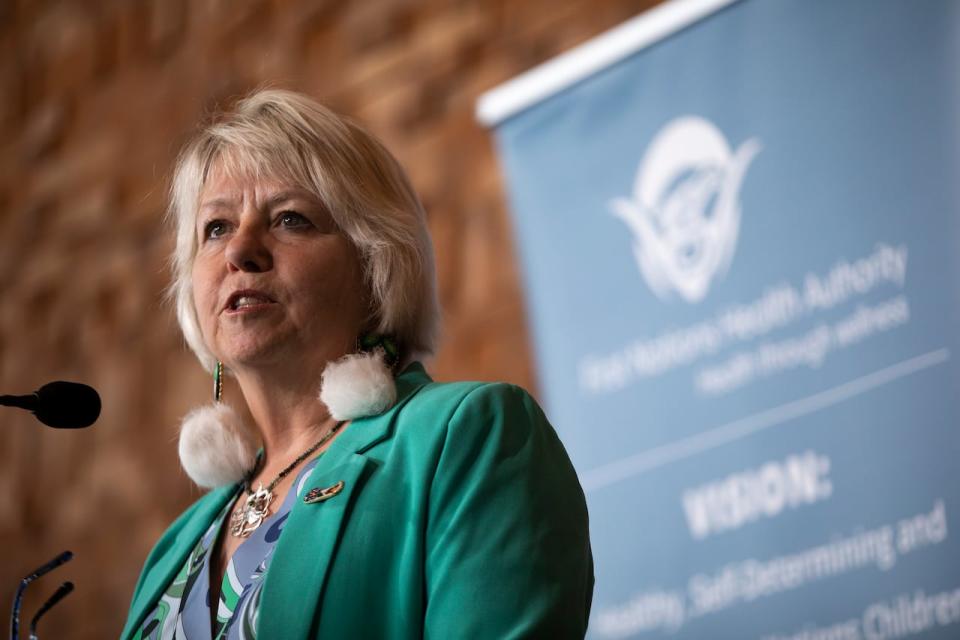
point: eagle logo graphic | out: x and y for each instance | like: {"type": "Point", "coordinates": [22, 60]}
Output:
{"type": "Point", "coordinates": [685, 211]}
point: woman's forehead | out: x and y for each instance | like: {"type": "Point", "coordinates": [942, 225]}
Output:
{"type": "Point", "coordinates": [226, 185]}
{"type": "Point", "coordinates": [243, 163]}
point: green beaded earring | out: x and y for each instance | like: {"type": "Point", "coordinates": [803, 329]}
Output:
{"type": "Point", "coordinates": [391, 354]}
{"type": "Point", "coordinates": [218, 381]}
{"type": "Point", "coordinates": [216, 447]}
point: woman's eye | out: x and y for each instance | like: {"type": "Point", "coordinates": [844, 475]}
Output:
{"type": "Point", "coordinates": [214, 229]}
{"type": "Point", "coordinates": [292, 219]}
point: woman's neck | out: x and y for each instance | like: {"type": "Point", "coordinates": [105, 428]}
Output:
{"type": "Point", "coordinates": [286, 411]}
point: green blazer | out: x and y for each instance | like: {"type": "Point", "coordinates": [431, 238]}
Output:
{"type": "Point", "coordinates": [460, 517]}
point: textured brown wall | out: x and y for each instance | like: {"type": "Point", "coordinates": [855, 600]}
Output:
{"type": "Point", "coordinates": [95, 99]}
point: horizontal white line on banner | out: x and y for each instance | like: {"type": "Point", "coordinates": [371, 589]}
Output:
{"type": "Point", "coordinates": [650, 459]}
{"type": "Point", "coordinates": [555, 75]}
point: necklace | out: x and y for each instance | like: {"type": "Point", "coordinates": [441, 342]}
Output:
{"type": "Point", "coordinates": [256, 508]}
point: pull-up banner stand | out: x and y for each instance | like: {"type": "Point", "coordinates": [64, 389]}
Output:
{"type": "Point", "coordinates": [738, 224]}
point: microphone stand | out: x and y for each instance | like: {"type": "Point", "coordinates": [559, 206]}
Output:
{"type": "Point", "coordinates": [57, 596]}
{"type": "Point", "coordinates": [62, 405]}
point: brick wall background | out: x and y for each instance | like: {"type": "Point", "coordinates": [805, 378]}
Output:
{"type": "Point", "coordinates": [95, 99]}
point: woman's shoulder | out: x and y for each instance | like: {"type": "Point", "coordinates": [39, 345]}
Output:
{"type": "Point", "coordinates": [427, 391]}
{"type": "Point", "coordinates": [470, 409]}
{"type": "Point", "coordinates": [456, 398]}
{"type": "Point", "coordinates": [434, 416]}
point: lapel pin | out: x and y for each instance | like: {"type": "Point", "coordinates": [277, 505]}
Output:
{"type": "Point", "coordinates": [319, 495]}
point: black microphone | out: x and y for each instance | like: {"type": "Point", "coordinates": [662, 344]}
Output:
{"type": "Point", "coordinates": [61, 405]}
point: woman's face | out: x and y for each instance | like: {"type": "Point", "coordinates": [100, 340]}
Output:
{"type": "Point", "coordinates": [274, 280]}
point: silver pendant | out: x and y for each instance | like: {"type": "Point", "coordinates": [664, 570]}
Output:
{"type": "Point", "coordinates": [255, 510]}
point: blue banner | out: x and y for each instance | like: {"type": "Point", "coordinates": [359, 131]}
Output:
{"type": "Point", "coordinates": [740, 249]}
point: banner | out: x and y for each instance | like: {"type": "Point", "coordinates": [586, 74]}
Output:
{"type": "Point", "coordinates": [741, 253]}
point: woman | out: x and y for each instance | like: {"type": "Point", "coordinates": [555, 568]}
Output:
{"type": "Point", "coordinates": [387, 506]}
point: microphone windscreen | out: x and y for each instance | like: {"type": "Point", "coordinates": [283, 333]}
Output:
{"type": "Point", "coordinates": [67, 405]}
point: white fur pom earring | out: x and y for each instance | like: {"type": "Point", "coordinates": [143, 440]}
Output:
{"type": "Point", "coordinates": [216, 448]}
{"type": "Point", "coordinates": [361, 384]}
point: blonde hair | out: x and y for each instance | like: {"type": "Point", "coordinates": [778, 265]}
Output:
{"type": "Point", "coordinates": [282, 134]}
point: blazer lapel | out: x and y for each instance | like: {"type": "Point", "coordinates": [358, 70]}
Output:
{"type": "Point", "coordinates": [294, 584]}
{"type": "Point", "coordinates": [156, 581]}
{"type": "Point", "coordinates": [363, 433]}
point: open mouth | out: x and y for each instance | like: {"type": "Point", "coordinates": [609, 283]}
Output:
{"type": "Point", "coordinates": [245, 300]}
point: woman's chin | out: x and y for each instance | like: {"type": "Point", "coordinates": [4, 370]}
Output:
{"type": "Point", "coordinates": [259, 351]}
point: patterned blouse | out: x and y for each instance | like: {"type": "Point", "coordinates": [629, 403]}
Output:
{"type": "Point", "coordinates": [183, 612]}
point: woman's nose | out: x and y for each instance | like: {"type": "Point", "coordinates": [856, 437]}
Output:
{"type": "Point", "coordinates": [246, 251]}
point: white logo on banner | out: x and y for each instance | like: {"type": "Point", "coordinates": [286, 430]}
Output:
{"type": "Point", "coordinates": [685, 211]}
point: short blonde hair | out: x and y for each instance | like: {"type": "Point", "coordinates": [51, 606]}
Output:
{"type": "Point", "coordinates": [282, 134]}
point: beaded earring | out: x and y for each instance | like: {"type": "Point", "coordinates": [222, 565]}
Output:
{"type": "Point", "coordinates": [218, 381]}
{"type": "Point", "coordinates": [216, 448]}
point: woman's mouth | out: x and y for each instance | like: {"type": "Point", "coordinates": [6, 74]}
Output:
{"type": "Point", "coordinates": [247, 301]}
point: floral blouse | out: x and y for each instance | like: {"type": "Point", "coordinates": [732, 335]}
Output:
{"type": "Point", "coordinates": [183, 612]}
